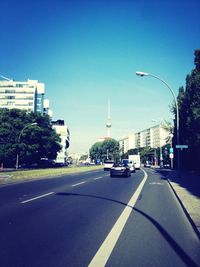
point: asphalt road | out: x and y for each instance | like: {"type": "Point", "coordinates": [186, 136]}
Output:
{"type": "Point", "coordinates": [90, 219]}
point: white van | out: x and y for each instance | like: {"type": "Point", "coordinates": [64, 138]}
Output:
{"type": "Point", "coordinates": [136, 159]}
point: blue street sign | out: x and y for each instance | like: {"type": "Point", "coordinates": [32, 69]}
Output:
{"type": "Point", "coordinates": [181, 146]}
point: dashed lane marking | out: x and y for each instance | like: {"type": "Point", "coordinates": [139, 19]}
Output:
{"type": "Point", "coordinates": [78, 184]}
{"type": "Point", "coordinates": [34, 198]}
{"type": "Point", "coordinates": [97, 178]}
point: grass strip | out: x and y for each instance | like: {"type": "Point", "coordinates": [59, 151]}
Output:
{"type": "Point", "coordinates": [21, 175]}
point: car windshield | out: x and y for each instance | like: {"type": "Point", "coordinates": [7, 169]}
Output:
{"type": "Point", "coordinates": [125, 161]}
{"type": "Point", "coordinates": [119, 164]}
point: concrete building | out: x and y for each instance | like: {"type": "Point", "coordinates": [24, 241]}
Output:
{"type": "Point", "coordinates": [46, 109]}
{"type": "Point", "coordinates": [123, 144]}
{"type": "Point", "coordinates": [27, 95]}
{"type": "Point", "coordinates": [64, 133]}
{"type": "Point", "coordinates": [127, 142]}
{"type": "Point", "coordinates": [153, 137]}
{"type": "Point", "coordinates": [159, 136]}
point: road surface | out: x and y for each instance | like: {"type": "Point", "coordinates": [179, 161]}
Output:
{"type": "Point", "coordinates": [90, 219]}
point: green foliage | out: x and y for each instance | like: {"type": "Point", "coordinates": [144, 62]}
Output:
{"type": "Point", "coordinates": [32, 143]}
{"type": "Point", "coordinates": [189, 111]}
{"type": "Point", "coordinates": [109, 148]}
{"type": "Point", "coordinates": [83, 157]}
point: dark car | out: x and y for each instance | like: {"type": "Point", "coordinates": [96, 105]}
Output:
{"type": "Point", "coordinates": [120, 169]}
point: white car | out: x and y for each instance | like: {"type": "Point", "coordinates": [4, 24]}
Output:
{"type": "Point", "coordinates": [108, 165]}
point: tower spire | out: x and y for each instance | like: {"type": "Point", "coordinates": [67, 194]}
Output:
{"type": "Point", "coordinates": [108, 124]}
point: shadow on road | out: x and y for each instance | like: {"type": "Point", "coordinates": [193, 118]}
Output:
{"type": "Point", "coordinates": [179, 251]}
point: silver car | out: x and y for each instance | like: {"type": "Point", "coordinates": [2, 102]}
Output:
{"type": "Point", "coordinates": [120, 169]}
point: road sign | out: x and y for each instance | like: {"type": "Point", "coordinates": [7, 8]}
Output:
{"type": "Point", "coordinates": [181, 146]}
{"type": "Point", "coordinates": [171, 156]}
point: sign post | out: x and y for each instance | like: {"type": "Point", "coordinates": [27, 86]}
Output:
{"type": "Point", "coordinates": [171, 155]}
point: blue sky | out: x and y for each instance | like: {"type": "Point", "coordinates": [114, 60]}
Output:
{"type": "Point", "coordinates": [88, 51]}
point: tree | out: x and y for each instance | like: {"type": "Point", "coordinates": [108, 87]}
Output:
{"type": "Point", "coordinates": [189, 111]}
{"type": "Point", "coordinates": [109, 148]}
{"type": "Point", "coordinates": [96, 151]}
{"type": "Point", "coordinates": [36, 142]}
{"type": "Point", "coordinates": [83, 157]}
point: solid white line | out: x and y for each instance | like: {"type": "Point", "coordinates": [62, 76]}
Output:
{"type": "Point", "coordinates": [97, 178]}
{"type": "Point", "coordinates": [78, 184]}
{"type": "Point", "coordinates": [104, 252]}
{"type": "Point", "coordinates": [29, 200]}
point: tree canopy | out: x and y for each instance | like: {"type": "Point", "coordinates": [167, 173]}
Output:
{"type": "Point", "coordinates": [108, 149]}
{"type": "Point", "coordinates": [189, 112]}
{"type": "Point", "coordinates": [31, 142]}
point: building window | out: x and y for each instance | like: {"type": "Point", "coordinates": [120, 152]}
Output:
{"type": "Point", "coordinates": [10, 97]}
{"type": "Point", "coordinates": [7, 91]}
{"type": "Point", "coordinates": [10, 103]}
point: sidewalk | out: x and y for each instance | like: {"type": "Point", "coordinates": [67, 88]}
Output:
{"type": "Point", "coordinates": [187, 189]}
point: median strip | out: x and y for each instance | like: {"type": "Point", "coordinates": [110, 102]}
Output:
{"type": "Point", "coordinates": [32, 199]}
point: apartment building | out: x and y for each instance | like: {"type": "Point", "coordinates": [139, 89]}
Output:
{"type": "Point", "coordinates": [64, 133]}
{"type": "Point", "coordinates": [153, 137]}
{"type": "Point", "coordinates": [127, 142]}
{"type": "Point", "coordinates": [28, 95]}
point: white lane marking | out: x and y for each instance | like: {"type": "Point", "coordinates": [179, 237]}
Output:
{"type": "Point", "coordinates": [104, 252]}
{"type": "Point", "coordinates": [97, 178]}
{"type": "Point", "coordinates": [78, 183]}
{"type": "Point", "coordinates": [31, 199]}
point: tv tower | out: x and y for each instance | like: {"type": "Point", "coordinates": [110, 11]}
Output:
{"type": "Point", "coordinates": [108, 124]}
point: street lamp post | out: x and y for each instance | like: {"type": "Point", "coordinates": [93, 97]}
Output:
{"type": "Point", "coordinates": [177, 113]}
{"type": "Point", "coordinates": [18, 141]}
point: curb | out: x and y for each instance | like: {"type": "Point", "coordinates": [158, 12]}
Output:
{"type": "Point", "coordinates": [185, 210]}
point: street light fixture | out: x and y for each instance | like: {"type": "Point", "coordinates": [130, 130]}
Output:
{"type": "Point", "coordinates": [139, 73]}
{"type": "Point", "coordinates": [18, 141]}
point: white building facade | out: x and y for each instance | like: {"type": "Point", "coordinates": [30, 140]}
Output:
{"type": "Point", "coordinates": [64, 134]}
{"type": "Point", "coordinates": [153, 137]}
{"type": "Point", "coordinates": [28, 95]}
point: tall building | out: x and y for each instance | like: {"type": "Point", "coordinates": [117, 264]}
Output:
{"type": "Point", "coordinates": [127, 142]}
{"type": "Point", "coordinates": [64, 134]}
{"type": "Point", "coordinates": [153, 137]}
{"type": "Point", "coordinates": [28, 95]}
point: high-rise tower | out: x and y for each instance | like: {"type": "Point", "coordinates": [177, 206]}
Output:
{"type": "Point", "coordinates": [108, 124]}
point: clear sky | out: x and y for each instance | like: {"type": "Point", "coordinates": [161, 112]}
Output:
{"type": "Point", "coordinates": [88, 51]}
